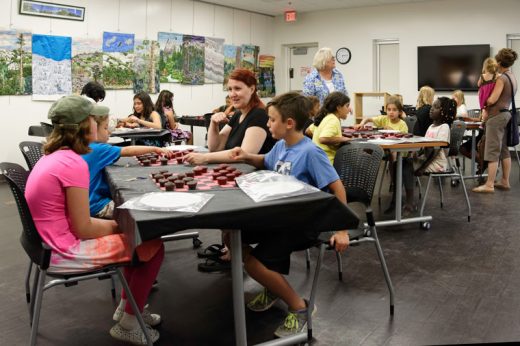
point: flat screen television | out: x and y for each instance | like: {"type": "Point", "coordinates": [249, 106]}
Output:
{"type": "Point", "coordinates": [447, 68]}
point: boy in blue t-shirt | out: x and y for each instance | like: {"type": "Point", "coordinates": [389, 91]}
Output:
{"type": "Point", "coordinates": [102, 155]}
{"type": "Point", "coordinates": [294, 154]}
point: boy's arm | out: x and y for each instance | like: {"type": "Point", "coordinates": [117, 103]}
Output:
{"type": "Point", "coordinates": [340, 239]}
{"type": "Point", "coordinates": [135, 150]}
{"type": "Point", "coordinates": [256, 160]}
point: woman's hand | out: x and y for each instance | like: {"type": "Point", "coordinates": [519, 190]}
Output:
{"type": "Point", "coordinates": [339, 241]}
{"type": "Point", "coordinates": [196, 159]}
{"type": "Point", "coordinates": [219, 118]}
{"type": "Point", "coordinates": [131, 125]}
{"type": "Point", "coordinates": [237, 154]}
{"type": "Point", "coordinates": [133, 119]}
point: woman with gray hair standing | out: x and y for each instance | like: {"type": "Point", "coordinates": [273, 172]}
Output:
{"type": "Point", "coordinates": [324, 77]}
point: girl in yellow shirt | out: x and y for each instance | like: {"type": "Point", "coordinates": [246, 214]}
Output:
{"type": "Point", "coordinates": [326, 129]}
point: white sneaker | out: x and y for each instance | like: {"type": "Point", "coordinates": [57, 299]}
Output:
{"type": "Point", "coordinates": [133, 336]}
{"type": "Point", "coordinates": [149, 318]}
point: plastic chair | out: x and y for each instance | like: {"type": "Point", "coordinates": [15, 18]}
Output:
{"type": "Point", "coordinates": [410, 122]}
{"type": "Point", "coordinates": [40, 255]}
{"type": "Point", "coordinates": [358, 165]}
{"type": "Point", "coordinates": [47, 129]}
{"type": "Point", "coordinates": [32, 152]}
{"type": "Point", "coordinates": [456, 135]}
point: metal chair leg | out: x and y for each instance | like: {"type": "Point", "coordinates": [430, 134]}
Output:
{"type": "Point", "coordinates": [308, 258]}
{"type": "Point", "coordinates": [466, 195]}
{"type": "Point", "coordinates": [137, 313]}
{"type": "Point", "coordinates": [441, 192]}
{"type": "Point", "coordinates": [340, 265]}
{"type": "Point", "coordinates": [425, 195]}
{"type": "Point", "coordinates": [313, 292]}
{"type": "Point", "coordinates": [385, 269]}
{"type": "Point", "coordinates": [37, 306]}
{"type": "Point", "coordinates": [419, 185]}
{"type": "Point", "coordinates": [27, 283]}
{"type": "Point", "coordinates": [36, 277]}
{"type": "Point", "coordinates": [113, 288]}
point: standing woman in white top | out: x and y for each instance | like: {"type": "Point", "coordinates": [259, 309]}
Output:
{"type": "Point", "coordinates": [324, 77]}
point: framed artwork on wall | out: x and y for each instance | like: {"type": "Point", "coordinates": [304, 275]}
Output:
{"type": "Point", "coordinates": [52, 10]}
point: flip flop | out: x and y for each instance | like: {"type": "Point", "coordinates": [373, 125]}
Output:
{"type": "Point", "coordinates": [500, 186]}
{"type": "Point", "coordinates": [212, 251]}
{"type": "Point", "coordinates": [483, 189]}
{"type": "Point", "coordinates": [211, 265]}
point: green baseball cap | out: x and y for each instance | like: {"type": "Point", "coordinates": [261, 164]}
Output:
{"type": "Point", "coordinates": [74, 109]}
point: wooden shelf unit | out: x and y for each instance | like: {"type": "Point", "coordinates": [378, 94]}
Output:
{"type": "Point", "coordinates": [358, 102]}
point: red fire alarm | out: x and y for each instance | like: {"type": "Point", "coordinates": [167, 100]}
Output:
{"type": "Point", "coordinates": [290, 16]}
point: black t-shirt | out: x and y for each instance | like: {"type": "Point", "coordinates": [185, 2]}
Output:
{"type": "Point", "coordinates": [255, 117]}
{"type": "Point", "coordinates": [423, 120]}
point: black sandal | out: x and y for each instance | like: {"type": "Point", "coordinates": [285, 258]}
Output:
{"type": "Point", "coordinates": [216, 264]}
{"type": "Point", "coordinates": [212, 251]}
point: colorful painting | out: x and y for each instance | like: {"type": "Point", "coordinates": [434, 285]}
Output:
{"type": "Point", "coordinates": [118, 58]}
{"type": "Point", "coordinates": [15, 62]}
{"type": "Point", "coordinates": [232, 55]}
{"type": "Point", "coordinates": [47, 9]}
{"type": "Point", "coordinates": [214, 60]}
{"type": "Point", "coordinates": [170, 57]}
{"type": "Point", "coordinates": [87, 62]}
{"type": "Point", "coordinates": [193, 59]}
{"type": "Point", "coordinates": [51, 67]}
{"type": "Point", "coordinates": [249, 58]}
{"type": "Point", "coordinates": [266, 76]}
{"type": "Point", "coordinates": [146, 67]}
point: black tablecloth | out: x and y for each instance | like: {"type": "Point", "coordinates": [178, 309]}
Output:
{"type": "Point", "coordinates": [229, 208]}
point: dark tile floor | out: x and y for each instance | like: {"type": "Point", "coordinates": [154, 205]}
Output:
{"type": "Point", "coordinates": [456, 283]}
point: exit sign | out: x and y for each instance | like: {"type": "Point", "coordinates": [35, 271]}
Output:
{"type": "Point", "coordinates": [290, 16]}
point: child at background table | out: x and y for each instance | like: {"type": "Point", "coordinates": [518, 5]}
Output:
{"type": "Point", "coordinates": [164, 106]}
{"type": "Point", "coordinates": [57, 195]}
{"type": "Point", "coordinates": [227, 108]}
{"type": "Point", "coordinates": [94, 91]}
{"type": "Point", "coordinates": [294, 154]}
{"type": "Point", "coordinates": [462, 110]}
{"type": "Point", "coordinates": [393, 120]}
{"type": "Point", "coordinates": [442, 110]}
{"type": "Point", "coordinates": [326, 130]}
{"type": "Point", "coordinates": [101, 155]}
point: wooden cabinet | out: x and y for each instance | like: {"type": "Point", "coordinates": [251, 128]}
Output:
{"type": "Point", "coordinates": [358, 103]}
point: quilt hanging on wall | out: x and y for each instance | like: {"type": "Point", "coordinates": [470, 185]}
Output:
{"type": "Point", "coordinates": [214, 60]}
{"type": "Point", "coordinates": [15, 62]}
{"type": "Point", "coordinates": [87, 62]}
{"type": "Point", "coordinates": [193, 60]}
{"type": "Point", "coordinates": [249, 58]}
{"type": "Point", "coordinates": [266, 76]}
{"type": "Point", "coordinates": [170, 57]}
{"type": "Point", "coordinates": [51, 67]}
{"type": "Point", "coordinates": [146, 67]}
{"type": "Point", "coordinates": [232, 55]}
{"type": "Point", "coordinates": [118, 59]}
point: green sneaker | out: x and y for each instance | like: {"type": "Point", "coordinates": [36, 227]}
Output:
{"type": "Point", "coordinates": [295, 323]}
{"type": "Point", "coordinates": [263, 301]}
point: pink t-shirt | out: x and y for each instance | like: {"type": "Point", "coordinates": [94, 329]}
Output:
{"type": "Point", "coordinates": [45, 194]}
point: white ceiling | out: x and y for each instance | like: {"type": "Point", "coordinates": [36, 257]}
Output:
{"type": "Point", "coordinates": [278, 7]}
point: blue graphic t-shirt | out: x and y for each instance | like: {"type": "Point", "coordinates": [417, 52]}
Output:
{"type": "Point", "coordinates": [304, 160]}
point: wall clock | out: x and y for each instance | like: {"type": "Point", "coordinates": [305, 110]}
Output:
{"type": "Point", "coordinates": [343, 55]}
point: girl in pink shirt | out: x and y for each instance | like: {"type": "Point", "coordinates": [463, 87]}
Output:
{"type": "Point", "coordinates": [57, 195]}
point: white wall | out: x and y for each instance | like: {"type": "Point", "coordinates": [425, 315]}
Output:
{"type": "Point", "coordinates": [144, 19]}
{"type": "Point", "coordinates": [446, 22]}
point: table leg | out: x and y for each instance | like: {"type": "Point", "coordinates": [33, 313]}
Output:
{"type": "Point", "coordinates": [398, 186]}
{"type": "Point", "coordinates": [473, 152]}
{"type": "Point", "coordinates": [238, 289]}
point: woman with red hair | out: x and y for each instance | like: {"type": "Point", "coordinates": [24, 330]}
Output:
{"type": "Point", "coordinates": [247, 128]}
